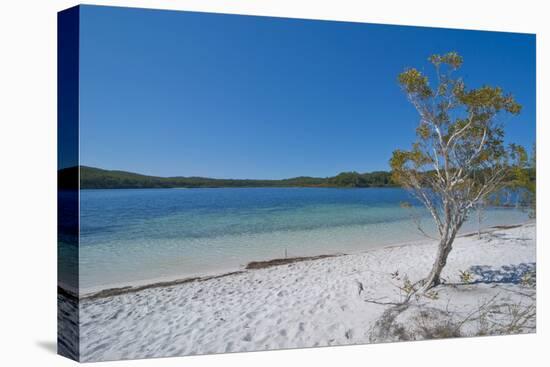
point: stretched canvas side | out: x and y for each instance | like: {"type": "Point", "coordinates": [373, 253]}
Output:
{"type": "Point", "coordinates": [68, 186]}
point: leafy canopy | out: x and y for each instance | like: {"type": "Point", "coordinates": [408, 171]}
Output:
{"type": "Point", "coordinates": [459, 155]}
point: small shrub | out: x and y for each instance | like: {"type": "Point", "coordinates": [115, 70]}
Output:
{"type": "Point", "coordinates": [433, 295]}
{"type": "Point", "coordinates": [408, 287]}
{"type": "Point", "coordinates": [528, 279]}
{"type": "Point", "coordinates": [466, 276]}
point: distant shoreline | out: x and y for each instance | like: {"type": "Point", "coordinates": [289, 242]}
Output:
{"type": "Point", "coordinates": [241, 187]}
{"type": "Point", "coordinates": [85, 178]}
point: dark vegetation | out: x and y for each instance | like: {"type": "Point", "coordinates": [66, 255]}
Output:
{"type": "Point", "coordinates": [96, 178]}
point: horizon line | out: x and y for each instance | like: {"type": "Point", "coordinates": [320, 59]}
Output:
{"type": "Point", "coordinates": [222, 178]}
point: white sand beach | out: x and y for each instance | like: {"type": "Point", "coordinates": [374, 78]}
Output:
{"type": "Point", "coordinates": [347, 299]}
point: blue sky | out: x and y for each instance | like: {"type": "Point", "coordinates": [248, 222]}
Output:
{"type": "Point", "coordinates": [196, 94]}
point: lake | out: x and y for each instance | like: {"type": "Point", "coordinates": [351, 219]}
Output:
{"type": "Point", "coordinates": [143, 236]}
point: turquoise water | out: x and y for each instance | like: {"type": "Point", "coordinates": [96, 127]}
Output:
{"type": "Point", "coordinates": [140, 236]}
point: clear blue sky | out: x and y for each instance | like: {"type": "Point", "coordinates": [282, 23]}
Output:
{"type": "Point", "coordinates": [194, 94]}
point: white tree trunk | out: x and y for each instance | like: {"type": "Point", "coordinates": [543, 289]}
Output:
{"type": "Point", "coordinates": [443, 251]}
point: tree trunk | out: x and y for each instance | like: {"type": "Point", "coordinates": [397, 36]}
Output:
{"type": "Point", "coordinates": [443, 250]}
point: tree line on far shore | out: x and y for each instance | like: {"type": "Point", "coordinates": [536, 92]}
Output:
{"type": "Point", "coordinates": [96, 178]}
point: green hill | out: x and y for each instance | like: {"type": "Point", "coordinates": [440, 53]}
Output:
{"type": "Point", "coordinates": [96, 178]}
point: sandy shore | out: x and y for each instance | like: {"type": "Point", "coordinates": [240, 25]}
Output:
{"type": "Point", "coordinates": [339, 300]}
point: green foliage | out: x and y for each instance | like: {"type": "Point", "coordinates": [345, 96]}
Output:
{"type": "Point", "coordinates": [354, 179]}
{"type": "Point", "coordinates": [459, 157]}
{"type": "Point", "coordinates": [529, 279]}
{"type": "Point", "coordinates": [466, 276]}
{"type": "Point", "coordinates": [520, 183]}
{"type": "Point", "coordinates": [408, 287]}
{"type": "Point", "coordinates": [458, 132]}
{"type": "Point", "coordinates": [522, 178]}
{"type": "Point", "coordinates": [95, 178]}
{"type": "Point", "coordinates": [431, 294]}
{"type": "Point", "coordinates": [486, 101]}
{"type": "Point", "coordinates": [415, 83]}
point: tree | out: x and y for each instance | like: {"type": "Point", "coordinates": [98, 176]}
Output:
{"type": "Point", "coordinates": [531, 183]}
{"type": "Point", "coordinates": [459, 156]}
{"type": "Point", "coordinates": [480, 214]}
{"type": "Point", "coordinates": [523, 182]}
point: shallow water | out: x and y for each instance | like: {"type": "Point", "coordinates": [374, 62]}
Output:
{"type": "Point", "coordinates": [139, 236]}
